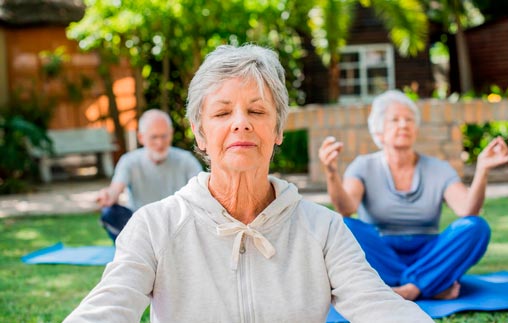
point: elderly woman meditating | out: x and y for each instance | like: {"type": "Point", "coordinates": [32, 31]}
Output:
{"type": "Point", "coordinates": [398, 194]}
{"type": "Point", "coordinates": [235, 244]}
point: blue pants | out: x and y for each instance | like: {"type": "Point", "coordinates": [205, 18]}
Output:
{"type": "Point", "coordinates": [431, 262]}
{"type": "Point", "coordinates": [114, 218]}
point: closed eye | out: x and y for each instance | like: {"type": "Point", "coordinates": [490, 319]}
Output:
{"type": "Point", "coordinates": [221, 114]}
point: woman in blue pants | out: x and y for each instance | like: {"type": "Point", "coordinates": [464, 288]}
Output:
{"type": "Point", "coordinates": [398, 195]}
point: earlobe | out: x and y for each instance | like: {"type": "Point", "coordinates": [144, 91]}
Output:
{"type": "Point", "coordinates": [200, 143]}
{"type": "Point", "coordinates": [198, 138]}
{"type": "Point", "coordinates": [279, 139]}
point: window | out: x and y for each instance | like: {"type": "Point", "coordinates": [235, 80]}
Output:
{"type": "Point", "coordinates": [366, 71]}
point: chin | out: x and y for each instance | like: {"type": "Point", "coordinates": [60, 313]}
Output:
{"type": "Point", "coordinates": [158, 156]}
{"type": "Point", "coordinates": [245, 165]}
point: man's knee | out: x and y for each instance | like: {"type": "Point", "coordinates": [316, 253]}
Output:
{"type": "Point", "coordinates": [114, 218]}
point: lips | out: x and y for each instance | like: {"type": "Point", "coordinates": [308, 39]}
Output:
{"type": "Point", "coordinates": [242, 144]}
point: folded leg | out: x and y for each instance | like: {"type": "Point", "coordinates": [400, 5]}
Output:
{"type": "Point", "coordinates": [114, 218]}
{"type": "Point", "coordinates": [445, 260]}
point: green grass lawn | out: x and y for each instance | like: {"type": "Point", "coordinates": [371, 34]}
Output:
{"type": "Point", "coordinates": [47, 293]}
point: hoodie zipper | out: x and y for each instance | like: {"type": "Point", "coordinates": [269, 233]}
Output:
{"type": "Point", "coordinates": [245, 296]}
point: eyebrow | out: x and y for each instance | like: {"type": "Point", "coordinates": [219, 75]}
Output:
{"type": "Point", "coordinates": [224, 101]}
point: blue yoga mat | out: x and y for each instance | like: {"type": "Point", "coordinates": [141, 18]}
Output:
{"type": "Point", "coordinates": [59, 254]}
{"type": "Point", "coordinates": [477, 293]}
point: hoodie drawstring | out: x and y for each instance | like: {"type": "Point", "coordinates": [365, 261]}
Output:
{"type": "Point", "coordinates": [240, 229]}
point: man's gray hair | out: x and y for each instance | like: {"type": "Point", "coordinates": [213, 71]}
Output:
{"type": "Point", "coordinates": [246, 62]}
{"type": "Point", "coordinates": [380, 105]}
{"type": "Point", "coordinates": [149, 116]}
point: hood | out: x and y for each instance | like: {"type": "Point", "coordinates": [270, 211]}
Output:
{"type": "Point", "coordinates": [208, 210]}
{"type": "Point", "coordinates": [198, 197]}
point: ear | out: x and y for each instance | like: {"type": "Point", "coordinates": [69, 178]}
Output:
{"type": "Point", "coordinates": [279, 139]}
{"type": "Point", "coordinates": [140, 138]}
{"type": "Point", "coordinates": [199, 140]}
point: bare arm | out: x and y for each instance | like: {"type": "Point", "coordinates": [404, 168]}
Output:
{"type": "Point", "coordinates": [345, 195]}
{"type": "Point", "coordinates": [468, 201]}
{"type": "Point", "coordinates": [109, 195]}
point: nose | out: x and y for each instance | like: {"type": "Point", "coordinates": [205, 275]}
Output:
{"type": "Point", "coordinates": [241, 122]}
{"type": "Point", "coordinates": [403, 122]}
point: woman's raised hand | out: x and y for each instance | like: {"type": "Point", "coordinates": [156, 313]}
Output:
{"type": "Point", "coordinates": [495, 154]}
{"type": "Point", "coordinates": [329, 153]}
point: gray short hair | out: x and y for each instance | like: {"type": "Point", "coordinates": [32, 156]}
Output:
{"type": "Point", "coordinates": [149, 116]}
{"type": "Point", "coordinates": [379, 106]}
{"type": "Point", "coordinates": [247, 61]}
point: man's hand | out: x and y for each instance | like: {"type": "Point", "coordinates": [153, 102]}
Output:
{"type": "Point", "coordinates": [104, 198]}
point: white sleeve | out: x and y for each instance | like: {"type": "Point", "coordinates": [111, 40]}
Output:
{"type": "Point", "coordinates": [125, 289]}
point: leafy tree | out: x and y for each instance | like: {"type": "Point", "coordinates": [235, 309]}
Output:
{"type": "Point", "coordinates": [492, 9]}
{"type": "Point", "coordinates": [331, 21]}
{"type": "Point", "coordinates": [165, 42]}
{"type": "Point", "coordinates": [455, 16]}
{"type": "Point", "coordinates": [102, 30]}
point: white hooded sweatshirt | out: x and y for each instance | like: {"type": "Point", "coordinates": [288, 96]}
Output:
{"type": "Point", "coordinates": [195, 263]}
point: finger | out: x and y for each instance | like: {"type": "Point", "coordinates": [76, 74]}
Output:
{"type": "Point", "coordinates": [501, 145]}
{"type": "Point", "coordinates": [327, 142]}
{"type": "Point", "coordinates": [330, 139]}
{"type": "Point", "coordinates": [332, 157]}
{"type": "Point", "coordinates": [339, 146]}
{"type": "Point", "coordinates": [325, 156]}
{"type": "Point", "coordinates": [333, 148]}
{"type": "Point", "coordinates": [493, 143]}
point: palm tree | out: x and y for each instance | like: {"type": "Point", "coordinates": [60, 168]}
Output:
{"type": "Point", "coordinates": [405, 20]}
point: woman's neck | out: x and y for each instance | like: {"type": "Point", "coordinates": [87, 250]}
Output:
{"type": "Point", "coordinates": [243, 195]}
{"type": "Point", "coordinates": [402, 164]}
{"type": "Point", "coordinates": [401, 158]}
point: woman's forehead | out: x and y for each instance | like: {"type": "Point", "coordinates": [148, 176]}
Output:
{"type": "Point", "coordinates": [231, 86]}
{"type": "Point", "coordinates": [398, 108]}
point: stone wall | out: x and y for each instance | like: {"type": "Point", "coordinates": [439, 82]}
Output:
{"type": "Point", "coordinates": [439, 133]}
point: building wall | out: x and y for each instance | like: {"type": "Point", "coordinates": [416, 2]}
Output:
{"type": "Point", "coordinates": [488, 53]}
{"type": "Point", "coordinates": [24, 72]}
{"type": "Point", "coordinates": [439, 133]}
{"type": "Point", "coordinates": [488, 50]}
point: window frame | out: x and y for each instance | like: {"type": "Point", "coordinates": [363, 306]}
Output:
{"type": "Point", "coordinates": [363, 67]}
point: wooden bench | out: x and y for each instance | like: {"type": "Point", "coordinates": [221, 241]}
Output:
{"type": "Point", "coordinates": [82, 141]}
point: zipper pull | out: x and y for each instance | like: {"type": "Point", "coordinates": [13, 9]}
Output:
{"type": "Point", "coordinates": [242, 245]}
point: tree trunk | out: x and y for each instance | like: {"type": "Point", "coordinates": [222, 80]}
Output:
{"type": "Point", "coordinates": [334, 70]}
{"type": "Point", "coordinates": [315, 82]}
{"type": "Point", "coordinates": [112, 106]}
{"type": "Point", "coordinates": [164, 84]}
{"type": "Point", "coordinates": [465, 74]}
{"type": "Point", "coordinates": [140, 97]}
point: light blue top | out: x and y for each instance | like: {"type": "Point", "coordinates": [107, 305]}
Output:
{"type": "Point", "coordinates": [393, 212]}
{"type": "Point", "coordinates": [147, 182]}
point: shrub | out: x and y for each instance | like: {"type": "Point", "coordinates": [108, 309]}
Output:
{"type": "Point", "coordinates": [17, 167]}
{"type": "Point", "coordinates": [477, 136]}
{"type": "Point", "coordinates": [292, 156]}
